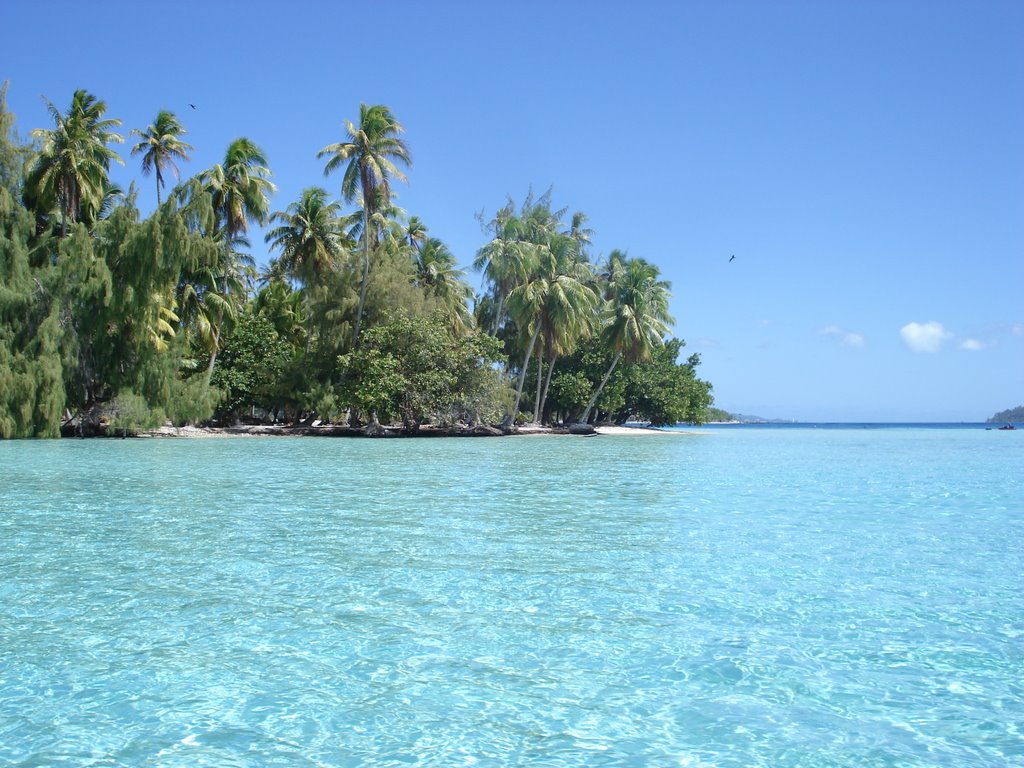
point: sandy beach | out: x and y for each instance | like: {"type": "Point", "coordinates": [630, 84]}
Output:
{"type": "Point", "coordinates": [616, 430]}
{"type": "Point", "coordinates": [191, 432]}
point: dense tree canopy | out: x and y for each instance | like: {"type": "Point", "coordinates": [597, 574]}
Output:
{"type": "Point", "coordinates": [111, 322]}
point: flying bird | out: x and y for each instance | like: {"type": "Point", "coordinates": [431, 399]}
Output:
{"type": "Point", "coordinates": [192, 105]}
{"type": "Point", "coordinates": [731, 258]}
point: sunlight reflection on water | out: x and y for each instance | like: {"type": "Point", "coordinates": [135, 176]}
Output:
{"type": "Point", "coordinates": [730, 599]}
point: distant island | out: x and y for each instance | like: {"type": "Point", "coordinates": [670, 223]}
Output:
{"type": "Point", "coordinates": [1013, 414]}
{"type": "Point", "coordinates": [720, 416]}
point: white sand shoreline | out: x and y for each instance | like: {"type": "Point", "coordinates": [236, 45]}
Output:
{"type": "Point", "coordinates": [218, 433]}
{"type": "Point", "coordinates": [633, 431]}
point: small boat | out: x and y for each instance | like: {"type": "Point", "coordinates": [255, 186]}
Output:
{"type": "Point", "coordinates": [1008, 426]}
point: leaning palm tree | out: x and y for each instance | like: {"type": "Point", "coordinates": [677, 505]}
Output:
{"type": "Point", "coordinates": [503, 260]}
{"type": "Point", "coordinates": [555, 299]}
{"type": "Point", "coordinates": [636, 315]}
{"type": "Point", "coordinates": [371, 151]}
{"type": "Point", "coordinates": [310, 236]}
{"type": "Point", "coordinates": [240, 190]}
{"type": "Point", "coordinates": [69, 172]}
{"type": "Point", "coordinates": [160, 146]}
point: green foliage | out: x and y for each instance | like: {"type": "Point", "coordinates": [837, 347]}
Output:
{"type": "Point", "coordinates": [570, 390]}
{"type": "Point", "coordinates": [119, 296]}
{"type": "Point", "coordinates": [437, 276]}
{"type": "Point", "coordinates": [122, 320]}
{"type": "Point", "coordinates": [416, 369]}
{"type": "Point", "coordinates": [69, 173]}
{"type": "Point", "coordinates": [31, 368]}
{"type": "Point", "coordinates": [659, 390]}
{"type": "Point", "coordinates": [717, 414]}
{"type": "Point", "coordinates": [191, 401]}
{"type": "Point", "coordinates": [130, 414]}
{"type": "Point", "coordinates": [663, 391]}
{"type": "Point", "coordinates": [252, 361]}
{"type": "Point", "coordinates": [372, 149]}
{"type": "Point", "coordinates": [160, 146]}
{"type": "Point", "coordinates": [13, 152]}
{"type": "Point", "coordinates": [309, 236]}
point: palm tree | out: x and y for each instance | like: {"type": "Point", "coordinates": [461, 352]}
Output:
{"type": "Point", "coordinates": [503, 260]}
{"type": "Point", "coordinates": [284, 308]}
{"type": "Point", "coordinates": [555, 300]}
{"type": "Point", "coordinates": [240, 190]}
{"type": "Point", "coordinates": [568, 312]}
{"type": "Point", "coordinates": [416, 232]}
{"type": "Point", "coordinates": [240, 187]}
{"type": "Point", "coordinates": [542, 275]}
{"type": "Point", "coordinates": [310, 238]}
{"type": "Point", "coordinates": [636, 314]}
{"type": "Point", "coordinates": [579, 231]}
{"type": "Point", "coordinates": [160, 146]}
{"type": "Point", "coordinates": [70, 169]}
{"type": "Point", "coordinates": [516, 238]}
{"type": "Point", "coordinates": [437, 275]}
{"type": "Point", "coordinates": [209, 291]}
{"type": "Point", "coordinates": [371, 151]}
{"type": "Point", "coordinates": [524, 305]}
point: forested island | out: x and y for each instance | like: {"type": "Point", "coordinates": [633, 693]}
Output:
{"type": "Point", "coordinates": [1008, 416]}
{"type": "Point", "coordinates": [115, 323]}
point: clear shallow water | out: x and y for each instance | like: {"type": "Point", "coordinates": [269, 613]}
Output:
{"type": "Point", "coordinates": [734, 598]}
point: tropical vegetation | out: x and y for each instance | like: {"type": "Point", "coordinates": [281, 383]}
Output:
{"type": "Point", "coordinates": [112, 322]}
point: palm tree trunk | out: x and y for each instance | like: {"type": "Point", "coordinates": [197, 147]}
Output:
{"type": "Point", "coordinates": [64, 206]}
{"type": "Point", "coordinates": [547, 383]}
{"type": "Point", "coordinates": [216, 349]}
{"type": "Point", "coordinates": [522, 373]}
{"type": "Point", "coordinates": [597, 394]}
{"type": "Point", "coordinates": [540, 378]}
{"type": "Point", "coordinates": [228, 236]}
{"type": "Point", "coordinates": [366, 278]}
{"type": "Point", "coordinates": [497, 315]}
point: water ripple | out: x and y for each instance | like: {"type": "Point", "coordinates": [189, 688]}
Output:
{"type": "Point", "coordinates": [784, 600]}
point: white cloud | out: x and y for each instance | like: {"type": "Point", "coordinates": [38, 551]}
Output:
{"type": "Point", "coordinates": [973, 345]}
{"type": "Point", "coordinates": [844, 337]}
{"type": "Point", "coordinates": [924, 337]}
{"type": "Point", "coordinates": [853, 339]}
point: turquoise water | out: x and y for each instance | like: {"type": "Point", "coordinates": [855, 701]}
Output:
{"type": "Point", "coordinates": [732, 598]}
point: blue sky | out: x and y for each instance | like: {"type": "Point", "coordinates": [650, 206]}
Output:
{"type": "Point", "coordinates": [863, 160]}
